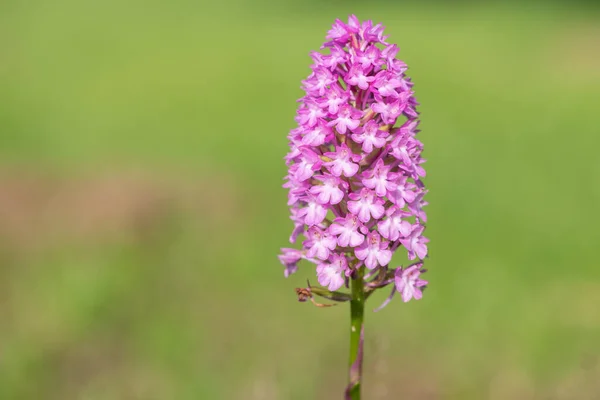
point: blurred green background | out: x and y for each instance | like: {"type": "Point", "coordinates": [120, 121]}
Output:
{"type": "Point", "coordinates": [141, 208]}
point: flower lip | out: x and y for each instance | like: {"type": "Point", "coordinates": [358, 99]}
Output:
{"type": "Point", "coordinates": [408, 283]}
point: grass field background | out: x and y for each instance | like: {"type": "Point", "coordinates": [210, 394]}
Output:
{"type": "Point", "coordinates": [141, 208]}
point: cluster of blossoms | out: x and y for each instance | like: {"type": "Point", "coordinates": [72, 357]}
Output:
{"type": "Point", "coordinates": [354, 178]}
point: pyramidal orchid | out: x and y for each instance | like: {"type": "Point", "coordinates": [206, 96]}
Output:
{"type": "Point", "coordinates": [355, 177]}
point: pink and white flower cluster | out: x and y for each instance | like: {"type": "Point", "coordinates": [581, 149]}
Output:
{"type": "Point", "coordinates": [355, 166]}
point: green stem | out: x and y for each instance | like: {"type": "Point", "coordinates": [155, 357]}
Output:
{"type": "Point", "coordinates": [357, 308]}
